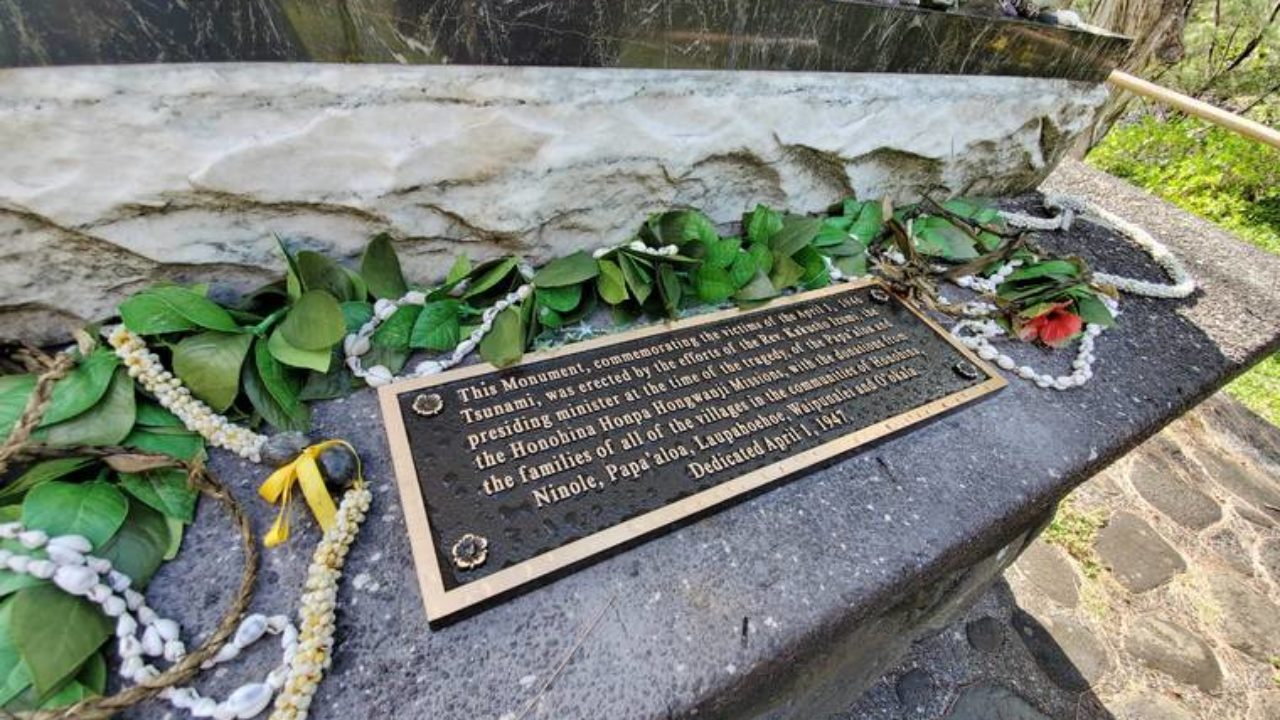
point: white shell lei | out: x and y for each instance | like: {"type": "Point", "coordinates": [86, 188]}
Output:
{"type": "Point", "coordinates": [169, 391]}
{"type": "Point", "coordinates": [977, 333]}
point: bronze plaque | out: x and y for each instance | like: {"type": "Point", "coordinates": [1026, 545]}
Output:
{"type": "Point", "coordinates": [507, 476]}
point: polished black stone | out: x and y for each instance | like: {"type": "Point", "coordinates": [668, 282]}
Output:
{"type": "Point", "coordinates": [707, 404]}
{"type": "Point", "coordinates": [818, 35]}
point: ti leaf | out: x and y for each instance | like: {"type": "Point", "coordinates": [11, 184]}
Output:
{"type": "Point", "coordinates": [390, 342]}
{"type": "Point", "coordinates": [722, 253]}
{"type": "Point", "coordinates": [170, 308]}
{"type": "Point", "coordinates": [937, 237]}
{"type": "Point", "coordinates": [55, 633]}
{"type": "Point", "coordinates": [758, 288]}
{"type": "Point", "coordinates": [762, 224]}
{"type": "Point", "coordinates": [93, 509]}
{"type": "Point", "coordinates": [611, 284]}
{"type": "Point", "coordinates": [743, 270]}
{"type": "Point", "coordinates": [42, 472]}
{"type": "Point", "coordinates": [138, 548]}
{"type": "Point", "coordinates": [573, 269]}
{"type": "Point", "coordinates": [182, 445]}
{"type": "Point", "coordinates": [106, 423]}
{"type": "Point", "coordinates": [438, 326]}
{"type": "Point", "coordinates": [461, 268]}
{"type": "Point", "coordinates": [315, 322]}
{"type": "Point", "coordinates": [318, 272]}
{"type": "Point", "coordinates": [282, 350]}
{"type": "Point", "coordinates": [713, 284]}
{"type": "Point", "coordinates": [82, 388]}
{"type": "Point", "coordinates": [488, 275]}
{"type": "Point", "coordinates": [561, 299]}
{"type": "Point", "coordinates": [209, 364]}
{"type": "Point", "coordinates": [14, 676]}
{"type": "Point", "coordinates": [164, 489]}
{"type": "Point", "coordinates": [669, 286]}
{"type": "Point", "coordinates": [1093, 311]}
{"type": "Point", "coordinates": [797, 232]}
{"type": "Point", "coordinates": [638, 279]}
{"type": "Point", "coordinates": [380, 269]}
{"type": "Point", "coordinates": [14, 391]}
{"type": "Point", "coordinates": [504, 344]}
{"type": "Point", "coordinates": [273, 391]}
{"type": "Point", "coordinates": [786, 272]}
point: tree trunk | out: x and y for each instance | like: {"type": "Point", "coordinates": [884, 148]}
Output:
{"type": "Point", "coordinates": [1156, 27]}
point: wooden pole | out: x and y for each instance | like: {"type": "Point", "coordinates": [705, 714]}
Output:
{"type": "Point", "coordinates": [1191, 106]}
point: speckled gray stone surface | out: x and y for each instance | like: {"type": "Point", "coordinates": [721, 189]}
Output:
{"type": "Point", "coordinates": [798, 567]}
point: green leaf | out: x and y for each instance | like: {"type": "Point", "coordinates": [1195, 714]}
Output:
{"type": "Point", "coordinates": [1093, 311]}
{"type": "Point", "coordinates": [93, 509]}
{"type": "Point", "coordinates": [762, 255]}
{"type": "Point", "coordinates": [870, 223]}
{"type": "Point", "coordinates": [315, 322]}
{"type": "Point", "coordinates": [164, 489]}
{"type": "Point", "coordinates": [106, 423]}
{"type": "Point", "coordinates": [318, 272]}
{"type": "Point", "coordinates": [209, 365]}
{"type": "Point", "coordinates": [293, 285]}
{"type": "Point", "coordinates": [797, 232]}
{"type": "Point", "coordinates": [390, 342]}
{"type": "Point", "coordinates": [834, 231]}
{"type": "Point", "coordinates": [937, 237]}
{"type": "Point", "coordinates": [182, 445]}
{"type": "Point", "coordinates": [380, 269]}
{"type": "Point", "coordinates": [286, 353]}
{"type": "Point", "coordinates": [669, 286]}
{"type": "Point", "coordinates": [177, 529]}
{"type": "Point", "coordinates": [743, 270]}
{"type": "Point", "coordinates": [93, 674]}
{"type": "Point", "coordinates": [70, 693]}
{"type": "Point", "coordinates": [786, 272]}
{"type": "Point", "coordinates": [722, 253]}
{"type": "Point", "coordinates": [549, 318]}
{"type": "Point", "coordinates": [82, 388]}
{"type": "Point", "coordinates": [850, 207]}
{"type": "Point", "coordinates": [560, 299]}
{"type": "Point", "coordinates": [573, 269]}
{"type": "Point", "coordinates": [282, 385]}
{"type": "Point", "coordinates": [990, 242]}
{"type": "Point", "coordinates": [762, 224]}
{"type": "Point", "coordinates": [461, 268]}
{"type": "Point", "coordinates": [359, 288]}
{"type": "Point", "coordinates": [758, 288]}
{"type": "Point", "coordinates": [1057, 269]}
{"type": "Point", "coordinates": [815, 269]}
{"type": "Point", "coordinates": [55, 633]}
{"type": "Point", "coordinates": [150, 414]}
{"type": "Point", "coordinates": [679, 227]}
{"type": "Point", "coordinates": [15, 390]}
{"type": "Point", "coordinates": [40, 473]}
{"type": "Point", "coordinates": [438, 326]}
{"type": "Point", "coordinates": [147, 314]}
{"type": "Point", "coordinates": [712, 284]}
{"type": "Point", "coordinates": [852, 265]}
{"type": "Point", "coordinates": [504, 344]}
{"type": "Point", "coordinates": [14, 676]}
{"type": "Point", "coordinates": [139, 547]}
{"type": "Point", "coordinates": [611, 284]}
{"type": "Point", "coordinates": [198, 310]}
{"type": "Point", "coordinates": [490, 274]}
{"type": "Point", "coordinates": [636, 276]}
{"type": "Point", "coordinates": [355, 314]}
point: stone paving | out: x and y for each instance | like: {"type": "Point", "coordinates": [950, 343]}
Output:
{"type": "Point", "coordinates": [1154, 595]}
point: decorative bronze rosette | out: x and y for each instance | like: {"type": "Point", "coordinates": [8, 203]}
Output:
{"type": "Point", "coordinates": [470, 551]}
{"type": "Point", "coordinates": [428, 404]}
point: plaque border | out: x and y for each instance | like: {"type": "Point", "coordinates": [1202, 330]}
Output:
{"type": "Point", "coordinates": [441, 603]}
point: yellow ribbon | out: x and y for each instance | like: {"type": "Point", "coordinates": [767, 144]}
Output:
{"type": "Point", "coordinates": [305, 471]}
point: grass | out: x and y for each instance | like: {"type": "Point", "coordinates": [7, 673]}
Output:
{"type": "Point", "coordinates": [1219, 176]}
{"type": "Point", "coordinates": [1074, 530]}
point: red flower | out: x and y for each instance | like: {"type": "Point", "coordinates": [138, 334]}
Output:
{"type": "Point", "coordinates": [1053, 327]}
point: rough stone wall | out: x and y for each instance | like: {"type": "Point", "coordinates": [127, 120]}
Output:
{"type": "Point", "coordinates": [115, 177]}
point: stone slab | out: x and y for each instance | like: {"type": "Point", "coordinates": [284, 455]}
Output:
{"type": "Point", "coordinates": [1139, 558]}
{"type": "Point", "coordinates": [1049, 570]}
{"type": "Point", "coordinates": [117, 177]}
{"type": "Point", "coordinates": [985, 634]}
{"type": "Point", "coordinates": [881, 35]}
{"type": "Point", "coordinates": [986, 701]}
{"type": "Point", "coordinates": [892, 522]}
{"type": "Point", "coordinates": [1245, 480]}
{"type": "Point", "coordinates": [1174, 651]}
{"type": "Point", "coordinates": [1068, 651]}
{"type": "Point", "coordinates": [1248, 621]}
{"type": "Point", "coordinates": [1149, 706]}
{"type": "Point", "coordinates": [1160, 483]}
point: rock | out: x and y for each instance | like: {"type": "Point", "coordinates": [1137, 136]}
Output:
{"type": "Point", "coordinates": [1264, 706]}
{"type": "Point", "coordinates": [283, 447]}
{"type": "Point", "coordinates": [1050, 572]}
{"type": "Point", "coordinates": [1247, 620]}
{"type": "Point", "coordinates": [1138, 557]}
{"type": "Point", "coordinates": [1146, 705]}
{"type": "Point", "coordinates": [987, 701]}
{"type": "Point", "coordinates": [1243, 480]}
{"type": "Point", "coordinates": [1160, 483]}
{"type": "Point", "coordinates": [1174, 651]}
{"type": "Point", "coordinates": [914, 688]}
{"type": "Point", "coordinates": [1226, 545]}
{"type": "Point", "coordinates": [338, 466]}
{"type": "Point", "coordinates": [1064, 648]}
{"type": "Point", "coordinates": [421, 152]}
{"type": "Point", "coordinates": [1269, 558]}
{"type": "Point", "coordinates": [985, 634]}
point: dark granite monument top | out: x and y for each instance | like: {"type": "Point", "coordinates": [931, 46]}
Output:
{"type": "Point", "coordinates": [822, 35]}
{"type": "Point", "coordinates": [737, 614]}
